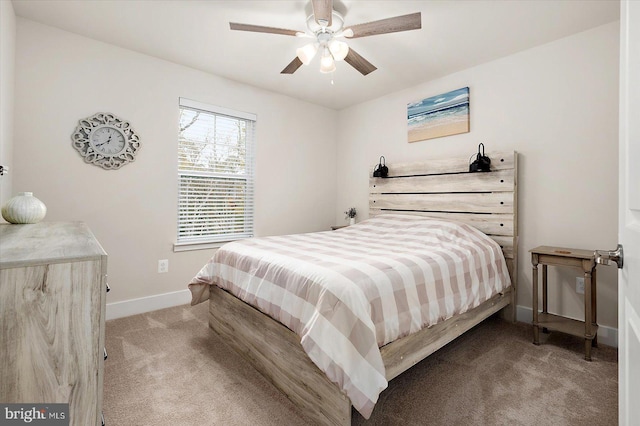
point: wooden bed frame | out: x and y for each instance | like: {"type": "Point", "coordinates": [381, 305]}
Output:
{"type": "Point", "coordinates": [439, 188]}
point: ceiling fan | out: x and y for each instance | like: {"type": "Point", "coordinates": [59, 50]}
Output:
{"type": "Point", "coordinates": [326, 26]}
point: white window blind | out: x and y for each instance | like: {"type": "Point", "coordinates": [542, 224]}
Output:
{"type": "Point", "coordinates": [216, 174]}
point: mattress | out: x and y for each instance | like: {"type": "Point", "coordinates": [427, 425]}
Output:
{"type": "Point", "coordinates": [348, 292]}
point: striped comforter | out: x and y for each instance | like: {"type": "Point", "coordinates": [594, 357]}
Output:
{"type": "Point", "coordinates": [350, 291]}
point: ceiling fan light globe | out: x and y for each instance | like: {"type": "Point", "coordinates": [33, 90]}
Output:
{"type": "Point", "coordinates": [327, 70]}
{"type": "Point", "coordinates": [347, 33]}
{"type": "Point", "coordinates": [339, 49]}
{"type": "Point", "coordinates": [327, 64]}
{"type": "Point", "coordinates": [307, 52]}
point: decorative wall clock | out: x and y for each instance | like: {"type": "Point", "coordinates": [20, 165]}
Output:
{"type": "Point", "coordinates": [106, 141]}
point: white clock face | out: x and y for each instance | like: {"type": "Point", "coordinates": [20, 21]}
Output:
{"type": "Point", "coordinates": [108, 140]}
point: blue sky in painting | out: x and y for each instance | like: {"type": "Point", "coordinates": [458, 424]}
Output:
{"type": "Point", "coordinates": [438, 103]}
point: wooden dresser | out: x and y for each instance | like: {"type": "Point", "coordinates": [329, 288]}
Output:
{"type": "Point", "coordinates": [52, 310]}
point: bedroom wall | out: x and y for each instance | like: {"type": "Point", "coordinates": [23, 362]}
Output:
{"type": "Point", "coordinates": [557, 105]}
{"type": "Point", "coordinates": [7, 73]}
{"type": "Point", "coordinates": [62, 77]}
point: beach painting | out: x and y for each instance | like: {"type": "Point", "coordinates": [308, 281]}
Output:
{"type": "Point", "coordinates": [437, 116]}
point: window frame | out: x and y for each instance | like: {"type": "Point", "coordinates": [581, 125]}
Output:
{"type": "Point", "coordinates": [211, 241]}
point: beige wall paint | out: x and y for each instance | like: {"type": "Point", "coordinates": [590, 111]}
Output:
{"type": "Point", "coordinates": [7, 72]}
{"type": "Point", "coordinates": [62, 77]}
{"type": "Point", "coordinates": [557, 105]}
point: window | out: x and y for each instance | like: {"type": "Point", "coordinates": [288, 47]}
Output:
{"type": "Point", "coordinates": [215, 173]}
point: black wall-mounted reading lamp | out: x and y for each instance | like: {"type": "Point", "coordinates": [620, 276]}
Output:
{"type": "Point", "coordinates": [482, 163]}
{"type": "Point", "coordinates": [381, 170]}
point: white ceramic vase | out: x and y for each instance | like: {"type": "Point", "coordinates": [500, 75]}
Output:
{"type": "Point", "coordinates": [24, 208]}
{"type": "Point", "coordinates": [352, 221]}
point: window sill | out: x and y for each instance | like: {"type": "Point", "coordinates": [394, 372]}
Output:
{"type": "Point", "coordinates": [178, 247]}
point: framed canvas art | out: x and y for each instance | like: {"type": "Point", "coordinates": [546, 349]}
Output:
{"type": "Point", "coordinates": [442, 115]}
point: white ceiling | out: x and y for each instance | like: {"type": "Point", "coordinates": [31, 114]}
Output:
{"type": "Point", "coordinates": [455, 35]}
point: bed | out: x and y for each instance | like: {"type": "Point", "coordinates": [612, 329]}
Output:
{"type": "Point", "coordinates": [343, 296]}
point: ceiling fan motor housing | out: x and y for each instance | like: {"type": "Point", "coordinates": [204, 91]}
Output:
{"type": "Point", "coordinates": [336, 24]}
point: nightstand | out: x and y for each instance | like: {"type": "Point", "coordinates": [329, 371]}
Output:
{"type": "Point", "coordinates": [583, 260]}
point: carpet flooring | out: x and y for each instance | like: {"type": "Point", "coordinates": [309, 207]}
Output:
{"type": "Point", "coordinates": [167, 368]}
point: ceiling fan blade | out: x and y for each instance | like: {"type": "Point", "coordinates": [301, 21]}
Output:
{"type": "Point", "coordinates": [292, 67]}
{"type": "Point", "coordinates": [358, 62]}
{"type": "Point", "coordinates": [322, 11]}
{"type": "Point", "coordinates": [260, 29]}
{"type": "Point", "coordinates": [396, 24]}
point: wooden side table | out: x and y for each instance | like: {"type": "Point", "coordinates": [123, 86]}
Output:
{"type": "Point", "coordinates": [585, 261]}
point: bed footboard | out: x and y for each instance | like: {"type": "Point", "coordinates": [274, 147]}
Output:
{"type": "Point", "coordinates": [275, 351]}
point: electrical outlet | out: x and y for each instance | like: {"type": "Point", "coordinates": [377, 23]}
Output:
{"type": "Point", "coordinates": [580, 285]}
{"type": "Point", "coordinates": [163, 266]}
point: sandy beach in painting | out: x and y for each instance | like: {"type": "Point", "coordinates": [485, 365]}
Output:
{"type": "Point", "coordinates": [438, 128]}
{"type": "Point", "coordinates": [442, 115]}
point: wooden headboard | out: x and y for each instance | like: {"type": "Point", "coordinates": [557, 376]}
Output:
{"type": "Point", "coordinates": [444, 188]}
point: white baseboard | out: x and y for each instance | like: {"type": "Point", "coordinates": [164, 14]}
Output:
{"type": "Point", "coordinates": [606, 335]}
{"type": "Point", "coordinates": [147, 304]}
